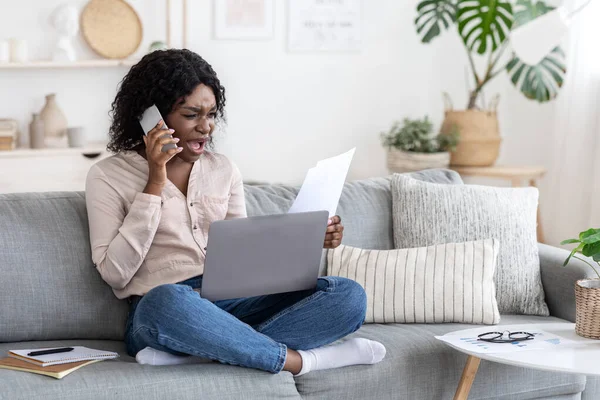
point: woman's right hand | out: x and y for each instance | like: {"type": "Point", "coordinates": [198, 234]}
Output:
{"type": "Point", "coordinates": [157, 159]}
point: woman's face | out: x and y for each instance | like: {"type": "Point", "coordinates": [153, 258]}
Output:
{"type": "Point", "coordinates": [193, 122]}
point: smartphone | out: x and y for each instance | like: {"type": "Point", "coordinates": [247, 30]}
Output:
{"type": "Point", "coordinates": [148, 121]}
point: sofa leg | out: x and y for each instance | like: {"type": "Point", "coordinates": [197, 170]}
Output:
{"type": "Point", "coordinates": [467, 378]}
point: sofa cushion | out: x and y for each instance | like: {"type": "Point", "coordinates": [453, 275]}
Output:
{"type": "Point", "coordinates": [49, 288]}
{"type": "Point", "coordinates": [125, 379]}
{"type": "Point", "coordinates": [428, 213]}
{"type": "Point", "coordinates": [450, 282]}
{"type": "Point", "coordinates": [418, 366]}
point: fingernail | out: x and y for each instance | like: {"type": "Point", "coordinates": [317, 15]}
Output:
{"type": "Point", "coordinates": [160, 122]}
{"type": "Point", "coordinates": [172, 130]}
{"type": "Point", "coordinates": [329, 221]}
{"type": "Point", "coordinates": [176, 139]}
{"type": "Point", "coordinates": [179, 148]}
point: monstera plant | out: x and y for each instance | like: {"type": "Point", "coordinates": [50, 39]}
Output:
{"type": "Point", "coordinates": [484, 27]}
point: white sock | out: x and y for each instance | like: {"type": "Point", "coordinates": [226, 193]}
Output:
{"type": "Point", "coordinates": [351, 352]}
{"type": "Point", "coordinates": [152, 356]}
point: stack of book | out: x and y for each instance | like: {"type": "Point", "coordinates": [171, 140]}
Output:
{"type": "Point", "coordinates": [54, 362]}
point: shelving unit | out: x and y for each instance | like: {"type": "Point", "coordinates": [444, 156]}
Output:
{"type": "Point", "coordinates": [92, 148]}
{"type": "Point", "coordinates": [101, 63]}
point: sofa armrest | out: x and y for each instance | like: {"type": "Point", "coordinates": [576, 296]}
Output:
{"type": "Point", "coordinates": [559, 281]}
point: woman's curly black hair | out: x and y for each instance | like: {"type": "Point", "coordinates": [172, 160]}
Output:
{"type": "Point", "coordinates": [162, 78]}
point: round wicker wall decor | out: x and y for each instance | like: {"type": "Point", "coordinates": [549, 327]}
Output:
{"type": "Point", "coordinates": [112, 28]}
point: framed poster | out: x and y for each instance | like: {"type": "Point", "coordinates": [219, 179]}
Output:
{"type": "Point", "coordinates": [243, 19]}
{"type": "Point", "coordinates": [324, 25]}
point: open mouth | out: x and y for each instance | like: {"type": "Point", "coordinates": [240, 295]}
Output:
{"type": "Point", "coordinates": [196, 146]}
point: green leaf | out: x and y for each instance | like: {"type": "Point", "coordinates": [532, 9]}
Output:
{"type": "Point", "coordinates": [434, 15]}
{"type": "Point", "coordinates": [590, 236]}
{"type": "Point", "coordinates": [484, 23]}
{"type": "Point", "coordinates": [596, 257]}
{"type": "Point", "coordinates": [539, 82]}
{"type": "Point", "coordinates": [526, 11]}
{"type": "Point", "coordinates": [575, 250]}
{"type": "Point", "coordinates": [591, 249]}
{"type": "Point", "coordinates": [569, 258]}
{"type": "Point", "coordinates": [569, 241]}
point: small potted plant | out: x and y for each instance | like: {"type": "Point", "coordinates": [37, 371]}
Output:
{"type": "Point", "coordinates": [587, 291]}
{"type": "Point", "coordinates": [412, 147]}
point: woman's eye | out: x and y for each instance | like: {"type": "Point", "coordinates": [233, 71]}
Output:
{"type": "Point", "coordinates": [213, 115]}
{"type": "Point", "coordinates": [190, 116]}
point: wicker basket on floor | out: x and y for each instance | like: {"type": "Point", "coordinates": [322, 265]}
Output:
{"type": "Point", "coordinates": [587, 300]}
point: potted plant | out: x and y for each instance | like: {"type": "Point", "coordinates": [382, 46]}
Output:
{"type": "Point", "coordinates": [587, 291]}
{"type": "Point", "coordinates": [484, 27]}
{"type": "Point", "coordinates": [412, 146]}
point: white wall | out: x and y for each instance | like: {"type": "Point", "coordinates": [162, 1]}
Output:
{"type": "Point", "coordinates": [285, 111]}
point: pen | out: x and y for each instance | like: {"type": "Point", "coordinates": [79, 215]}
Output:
{"type": "Point", "coordinates": [50, 351]}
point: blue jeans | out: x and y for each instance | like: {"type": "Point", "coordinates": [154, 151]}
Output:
{"type": "Point", "coordinates": [252, 332]}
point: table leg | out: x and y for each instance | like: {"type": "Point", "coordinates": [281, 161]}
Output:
{"type": "Point", "coordinates": [467, 378]}
{"type": "Point", "coordinates": [540, 231]}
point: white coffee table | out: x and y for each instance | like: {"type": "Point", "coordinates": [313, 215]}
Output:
{"type": "Point", "coordinates": [581, 358]}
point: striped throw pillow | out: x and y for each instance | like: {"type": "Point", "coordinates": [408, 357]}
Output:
{"type": "Point", "coordinates": [451, 282]}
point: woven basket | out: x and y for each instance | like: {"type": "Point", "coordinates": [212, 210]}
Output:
{"type": "Point", "coordinates": [111, 28]}
{"type": "Point", "coordinates": [399, 161]}
{"type": "Point", "coordinates": [481, 152]}
{"type": "Point", "coordinates": [479, 142]}
{"type": "Point", "coordinates": [587, 300]}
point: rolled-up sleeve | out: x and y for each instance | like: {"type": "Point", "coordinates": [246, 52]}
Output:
{"type": "Point", "coordinates": [119, 239]}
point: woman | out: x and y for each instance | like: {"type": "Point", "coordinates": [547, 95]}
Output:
{"type": "Point", "coordinates": [149, 213]}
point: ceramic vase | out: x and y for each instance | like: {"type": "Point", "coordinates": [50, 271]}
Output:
{"type": "Point", "coordinates": [55, 123]}
{"type": "Point", "coordinates": [36, 133]}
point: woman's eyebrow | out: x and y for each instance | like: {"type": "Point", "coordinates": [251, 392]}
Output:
{"type": "Point", "coordinates": [197, 109]}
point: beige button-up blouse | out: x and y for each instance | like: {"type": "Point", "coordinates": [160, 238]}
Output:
{"type": "Point", "coordinates": [139, 240]}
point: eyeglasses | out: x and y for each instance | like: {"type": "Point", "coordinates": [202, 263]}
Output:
{"type": "Point", "coordinates": [505, 337]}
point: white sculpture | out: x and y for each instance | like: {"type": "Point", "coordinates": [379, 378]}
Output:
{"type": "Point", "coordinates": [65, 19]}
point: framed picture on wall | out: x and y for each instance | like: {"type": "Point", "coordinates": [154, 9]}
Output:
{"type": "Point", "coordinates": [324, 25]}
{"type": "Point", "coordinates": [243, 19]}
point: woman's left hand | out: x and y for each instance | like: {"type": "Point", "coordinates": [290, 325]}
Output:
{"type": "Point", "coordinates": [334, 233]}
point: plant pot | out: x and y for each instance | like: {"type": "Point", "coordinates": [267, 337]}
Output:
{"type": "Point", "coordinates": [479, 142]}
{"type": "Point", "coordinates": [399, 161]}
{"type": "Point", "coordinates": [587, 302]}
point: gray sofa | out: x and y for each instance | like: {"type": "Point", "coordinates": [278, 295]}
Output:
{"type": "Point", "coordinates": [51, 295]}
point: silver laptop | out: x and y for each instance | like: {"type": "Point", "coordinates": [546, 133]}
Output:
{"type": "Point", "coordinates": [263, 255]}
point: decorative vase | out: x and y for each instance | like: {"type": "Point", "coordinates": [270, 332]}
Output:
{"type": "Point", "coordinates": [587, 305]}
{"type": "Point", "coordinates": [479, 144]}
{"type": "Point", "coordinates": [76, 136]}
{"type": "Point", "coordinates": [36, 133]}
{"type": "Point", "coordinates": [399, 161]}
{"type": "Point", "coordinates": [55, 123]}
{"type": "Point", "coordinates": [18, 50]}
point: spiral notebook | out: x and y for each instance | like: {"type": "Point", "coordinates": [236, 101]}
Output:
{"type": "Point", "coordinates": [79, 353]}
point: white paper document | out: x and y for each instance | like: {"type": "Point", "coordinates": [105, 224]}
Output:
{"type": "Point", "coordinates": [322, 187]}
{"type": "Point", "coordinates": [542, 340]}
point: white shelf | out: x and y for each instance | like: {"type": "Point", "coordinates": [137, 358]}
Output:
{"type": "Point", "coordinates": [93, 148]}
{"type": "Point", "coordinates": [74, 64]}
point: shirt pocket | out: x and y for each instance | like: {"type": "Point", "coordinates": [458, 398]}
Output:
{"type": "Point", "coordinates": [211, 209]}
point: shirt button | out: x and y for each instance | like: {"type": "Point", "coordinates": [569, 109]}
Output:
{"type": "Point", "coordinates": [195, 227]}
{"type": "Point", "coordinates": [191, 204]}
